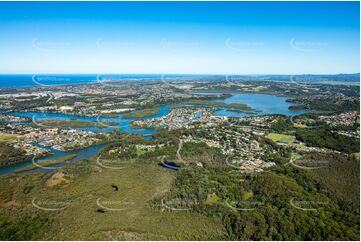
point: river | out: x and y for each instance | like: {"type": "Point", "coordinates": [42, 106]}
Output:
{"type": "Point", "coordinates": [265, 104]}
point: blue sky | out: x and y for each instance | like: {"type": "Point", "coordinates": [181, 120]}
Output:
{"type": "Point", "coordinates": [176, 37]}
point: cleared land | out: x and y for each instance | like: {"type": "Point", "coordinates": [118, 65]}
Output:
{"type": "Point", "coordinates": [5, 138]}
{"type": "Point", "coordinates": [288, 139]}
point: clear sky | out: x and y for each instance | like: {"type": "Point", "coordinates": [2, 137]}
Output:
{"type": "Point", "coordinates": [179, 38]}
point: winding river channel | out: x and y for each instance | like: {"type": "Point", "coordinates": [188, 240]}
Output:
{"type": "Point", "coordinates": [263, 103]}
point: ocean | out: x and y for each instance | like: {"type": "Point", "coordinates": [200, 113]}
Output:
{"type": "Point", "coordinates": [28, 80]}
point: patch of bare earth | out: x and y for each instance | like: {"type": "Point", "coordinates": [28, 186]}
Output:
{"type": "Point", "coordinates": [12, 202]}
{"type": "Point", "coordinates": [56, 179]}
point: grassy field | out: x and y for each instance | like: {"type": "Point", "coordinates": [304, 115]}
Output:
{"type": "Point", "coordinates": [82, 194]}
{"type": "Point", "coordinates": [287, 139]}
{"type": "Point", "coordinates": [64, 123]}
{"type": "Point", "coordinates": [5, 138]}
{"type": "Point", "coordinates": [142, 113]}
{"type": "Point", "coordinates": [143, 151]}
{"type": "Point", "coordinates": [295, 156]}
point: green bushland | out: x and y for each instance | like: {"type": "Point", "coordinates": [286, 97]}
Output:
{"type": "Point", "coordinates": [332, 104]}
{"type": "Point", "coordinates": [339, 177]}
{"type": "Point", "coordinates": [219, 104]}
{"type": "Point", "coordinates": [324, 137]}
{"type": "Point", "coordinates": [142, 113]}
{"type": "Point", "coordinates": [8, 153]}
{"type": "Point", "coordinates": [270, 198]}
{"type": "Point", "coordinates": [138, 184]}
{"type": "Point", "coordinates": [201, 152]}
{"type": "Point", "coordinates": [24, 225]}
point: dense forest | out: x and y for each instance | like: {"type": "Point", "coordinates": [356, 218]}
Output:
{"type": "Point", "coordinates": [324, 137]}
{"type": "Point", "coordinates": [269, 206]}
{"type": "Point", "coordinates": [10, 155]}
